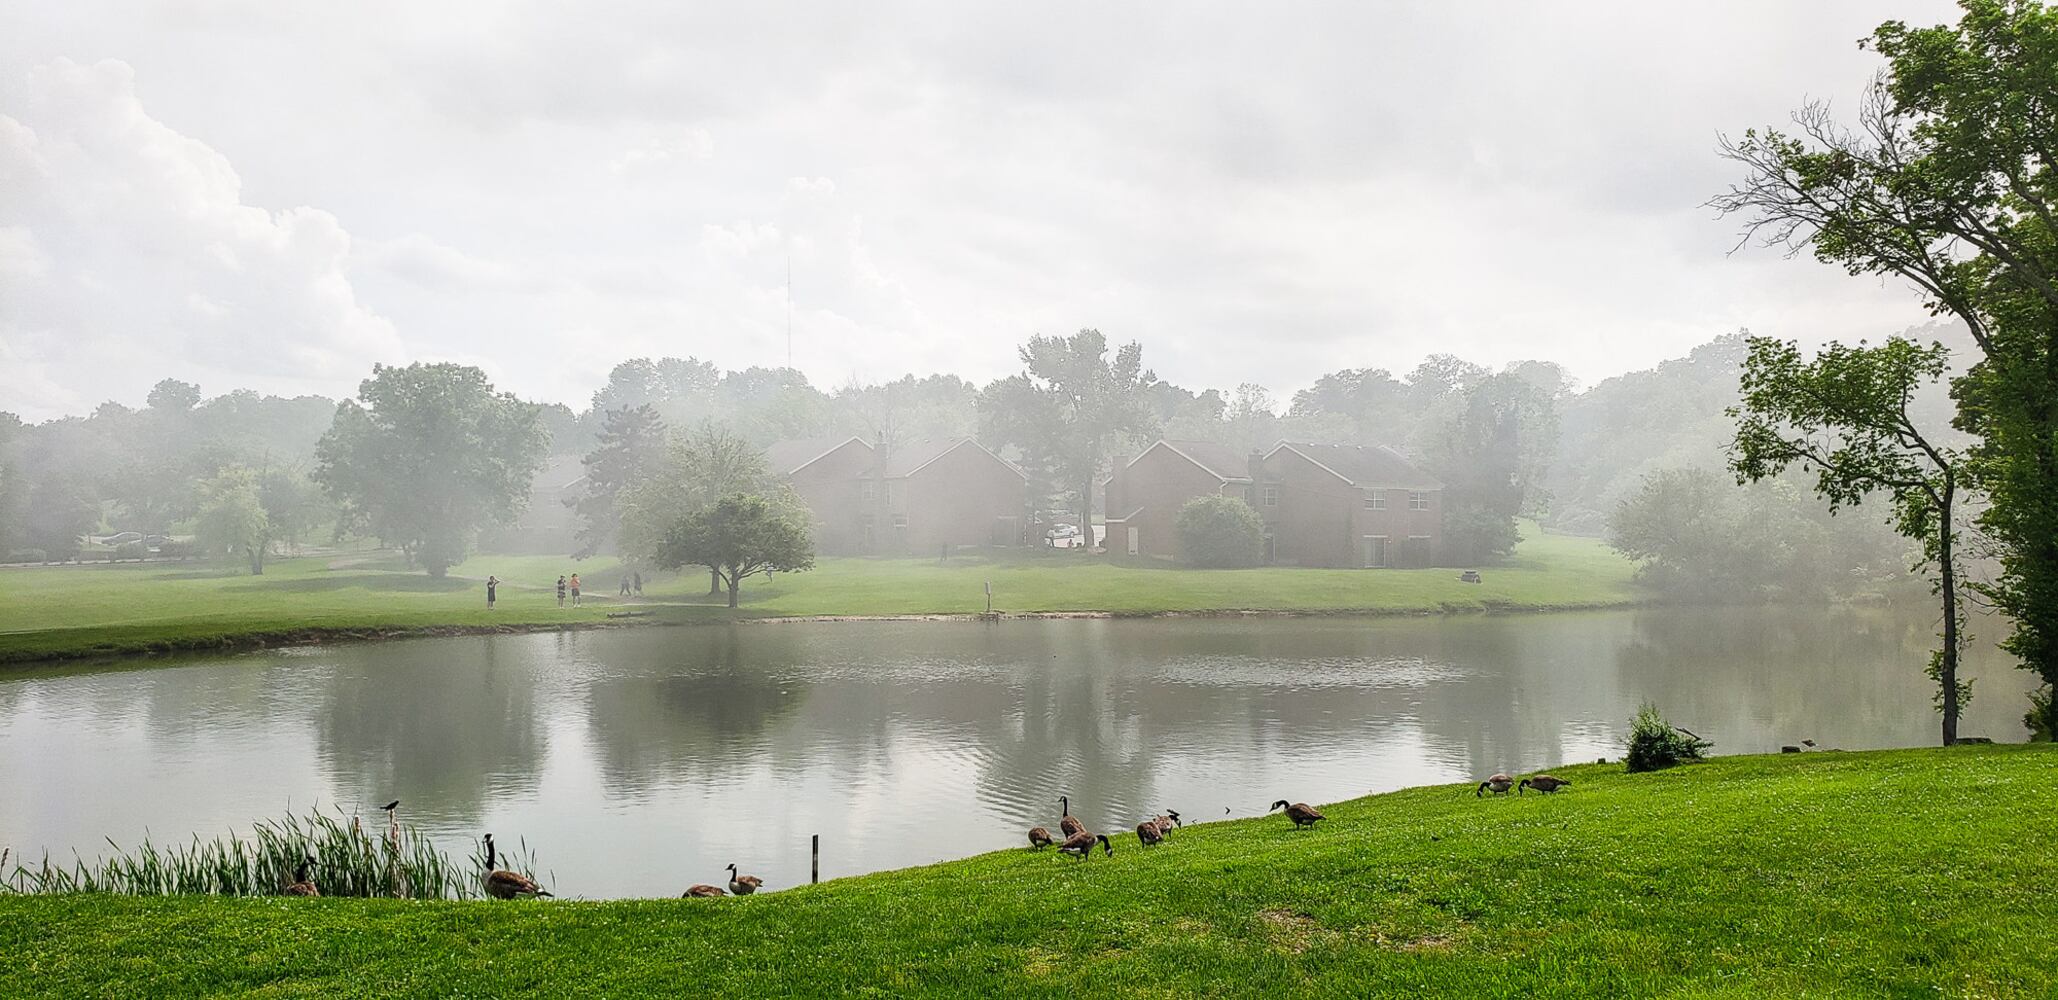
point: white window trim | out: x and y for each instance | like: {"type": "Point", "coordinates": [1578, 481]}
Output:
{"type": "Point", "coordinates": [1375, 500]}
{"type": "Point", "coordinates": [1418, 500]}
{"type": "Point", "coordinates": [1268, 494]}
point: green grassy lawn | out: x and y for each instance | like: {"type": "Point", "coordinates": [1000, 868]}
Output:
{"type": "Point", "coordinates": [1898, 873]}
{"type": "Point", "coordinates": [108, 609]}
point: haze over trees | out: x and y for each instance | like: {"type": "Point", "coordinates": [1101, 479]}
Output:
{"type": "Point", "coordinates": [1844, 416]}
{"type": "Point", "coordinates": [738, 536]}
{"type": "Point", "coordinates": [1949, 181]}
{"type": "Point", "coordinates": [1068, 409]}
{"type": "Point", "coordinates": [426, 456]}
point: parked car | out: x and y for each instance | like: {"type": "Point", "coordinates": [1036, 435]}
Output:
{"type": "Point", "coordinates": [1064, 531]}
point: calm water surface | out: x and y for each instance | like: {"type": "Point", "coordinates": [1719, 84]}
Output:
{"type": "Point", "coordinates": [635, 762]}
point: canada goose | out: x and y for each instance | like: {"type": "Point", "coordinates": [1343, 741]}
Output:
{"type": "Point", "coordinates": [1301, 813]}
{"type": "Point", "coordinates": [1066, 823]}
{"type": "Point", "coordinates": [1543, 783]}
{"type": "Point", "coordinates": [743, 885]}
{"type": "Point", "coordinates": [702, 892]}
{"type": "Point", "coordinates": [301, 884]}
{"type": "Point", "coordinates": [1499, 784]}
{"type": "Point", "coordinates": [1039, 838]}
{"type": "Point", "coordinates": [1150, 833]}
{"type": "Point", "coordinates": [503, 884]}
{"type": "Point", "coordinates": [1080, 844]}
{"type": "Point", "coordinates": [1166, 820]}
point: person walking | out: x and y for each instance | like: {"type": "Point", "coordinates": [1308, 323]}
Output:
{"type": "Point", "coordinates": [575, 590]}
{"type": "Point", "coordinates": [560, 590]}
{"type": "Point", "coordinates": [492, 590]}
{"type": "Point", "coordinates": [639, 584]}
{"type": "Point", "coordinates": [625, 585]}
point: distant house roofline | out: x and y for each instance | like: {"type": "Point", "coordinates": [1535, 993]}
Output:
{"type": "Point", "coordinates": [1176, 450]}
{"type": "Point", "coordinates": [831, 450]}
{"type": "Point", "coordinates": [1428, 483]}
{"type": "Point", "coordinates": [961, 442]}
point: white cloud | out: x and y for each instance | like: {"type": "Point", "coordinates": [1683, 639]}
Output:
{"type": "Point", "coordinates": [1258, 198]}
{"type": "Point", "coordinates": [130, 256]}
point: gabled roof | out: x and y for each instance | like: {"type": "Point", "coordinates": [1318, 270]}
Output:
{"type": "Point", "coordinates": [1218, 460]}
{"type": "Point", "coordinates": [913, 456]}
{"type": "Point", "coordinates": [788, 457]}
{"type": "Point", "coordinates": [1367, 467]}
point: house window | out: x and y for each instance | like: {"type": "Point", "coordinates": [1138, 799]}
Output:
{"type": "Point", "coordinates": [866, 520]}
{"type": "Point", "coordinates": [1271, 495]}
{"type": "Point", "coordinates": [1375, 500]}
{"type": "Point", "coordinates": [900, 520]}
{"type": "Point", "coordinates": [1418, 501]}
{"type": "Point", "coordinates": [868, 491]}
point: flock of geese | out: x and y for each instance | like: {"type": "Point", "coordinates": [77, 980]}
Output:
{"type": "Point", "coordinates": [1079, 842]}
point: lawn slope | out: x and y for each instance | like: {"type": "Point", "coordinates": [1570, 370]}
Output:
{"type": "Point", "coordinates": [1899, 873]}
{"type": "Point", "coordinates": [72, 611]}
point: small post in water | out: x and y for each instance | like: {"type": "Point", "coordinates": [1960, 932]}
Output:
{"type": "Point", "coordinates": [814, 874]}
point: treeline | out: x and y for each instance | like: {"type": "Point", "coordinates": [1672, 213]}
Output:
{"type": "Point", "coordinates": [242, 474]}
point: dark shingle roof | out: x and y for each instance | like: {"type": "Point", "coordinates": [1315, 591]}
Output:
{"type": "Point", "coordinates": [788, 457]}
{"type": "Point", "coordinates": [911, 456]}
{"type": "Point", "coordinates": [1221, 461]}
{"type": "Point", "coordinates": [1372, 466]}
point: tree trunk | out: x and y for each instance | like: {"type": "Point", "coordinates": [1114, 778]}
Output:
{"type": "Point", "coordinates": [257, 562]}
{"type": "Point", "coordinates": [732, 591]}
{"type": "Point", "coordinates": [1947, 674]}
{"type": "Point", "coordinates": [1086, 512]}
{"type": "Point", "coordinates": [714, 581]}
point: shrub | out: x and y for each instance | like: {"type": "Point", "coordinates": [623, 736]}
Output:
{"type": "Point", "coordinates": [129, 550]}
{"type": "Point", "coordinates": [1220, 533]}
{"type": "Point", "coordinates": [28, 556]}
{"type": "Point", "coordinates": [1655, 744]}
{"type": "Point", "coordinates": [176, 550]}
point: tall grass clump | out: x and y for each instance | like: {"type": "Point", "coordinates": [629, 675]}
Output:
{"type": "Point", "coordinates": [394, 862]}
{"type": "Point", "coordinates": [1655, 744]}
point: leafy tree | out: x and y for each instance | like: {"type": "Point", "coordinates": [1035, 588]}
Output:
{"type": "Point", "coordinates": [1068, 408]}
{"type": "Point", "coordinates": [697, 469]}
{"type": "Point", "coordinates": [681, 388]}
{"type": "Point", "coordinates": [740, 535]}
{"type": "Point", "coordinates": [232, 519]}
{"type": "Point", "coordinates": [1491, 444]}
{"type": "Point", "coordinates": [1373, 402]}
{"type": "Point", "coordinates": [429, 455]}
{"type": "Point", "coordinates": [293, 504]}
{"type": "Point", "coordinates": [891, 414]}
{"type": "Point", "coordinates": [61, 508]}
{"type": "Point", "coordinates": [1696, 534]}
{"type": "Point", "coordinates": [1844, 416]}
{"type": "Point", "coordinates": [14, 483]}
{"type": "Point", "coordinates": [632, 443]}
{"type": "Point", "coordinates": [1220, 533]}
{"type": "Point", "coordinates": [173, 395]}
{"type": "Point", "coordinates": [1950, 182]}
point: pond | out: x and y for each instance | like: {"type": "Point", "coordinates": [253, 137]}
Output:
{"type": "Point", "coordinates": [635, 762]}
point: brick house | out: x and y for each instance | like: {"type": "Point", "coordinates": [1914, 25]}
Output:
{"type": "Point", "coordinates": [825, 472]}
{"type": "Point", "coordinates": [1323, 505]}
{"type": "Point", "coordinates": [1145, 494]}
{"type": "Point", "coordinates": [1347, 505]}
{"type": "Point", "coordinates": [921, 497]}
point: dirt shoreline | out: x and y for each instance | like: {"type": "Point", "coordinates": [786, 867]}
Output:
{"type": "Point", "coordinates": [321, 636]}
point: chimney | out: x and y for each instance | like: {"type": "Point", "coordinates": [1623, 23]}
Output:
{"type": "Point", "coordinates": [1254, 466]}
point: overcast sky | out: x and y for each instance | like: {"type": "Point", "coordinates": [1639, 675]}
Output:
{"type": "Point", "coordinates": [249, 193]}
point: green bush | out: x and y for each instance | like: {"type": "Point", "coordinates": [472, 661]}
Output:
{"type": "Point", "coordinates": [176, 550]}
{"type": "Point", "coordinates": [129, 550]}
{"type": "Point", "coordinates": [28, 556]}
{"type": "Point", "coordinates": [1655, 744]}
{"type": "Point", "coordinates": [1220, 533]}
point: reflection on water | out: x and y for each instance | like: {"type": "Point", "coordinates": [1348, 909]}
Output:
{"type": "Point", "coordinates": [675, 751]}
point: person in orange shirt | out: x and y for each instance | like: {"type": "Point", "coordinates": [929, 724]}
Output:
{"type": "Point", "coordinates": [575, 590]}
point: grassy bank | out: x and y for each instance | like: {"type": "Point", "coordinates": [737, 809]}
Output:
{"type": "Point", "coordinates": [124, 608]}
{"type": "Point", "coordinates": [1902, 873]}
